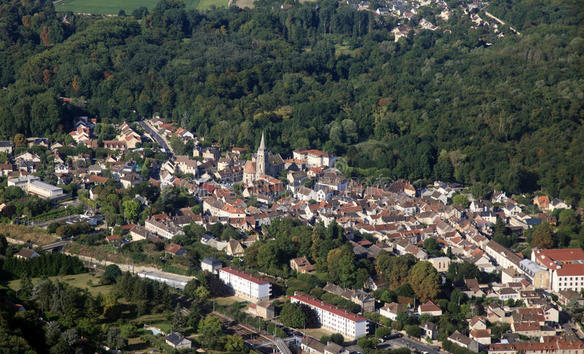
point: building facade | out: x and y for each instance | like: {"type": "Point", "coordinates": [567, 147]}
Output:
{"type": "Point", "coordinates": [333, 318]}
{"type": "Point", "coordinates": [246, 285]}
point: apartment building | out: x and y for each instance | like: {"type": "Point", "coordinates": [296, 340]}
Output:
{"type": "Point", "coordinates": [246, 285]}
{"type": "Point", "coordinates": [565, 267]}
{"type": "Point", "coordinates": [333, 318]}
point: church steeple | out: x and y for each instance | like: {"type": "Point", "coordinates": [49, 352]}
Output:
{"type": "Point", "coordinates": [261, 159]}
{"type": "Point", "coordinates": [262, 144]}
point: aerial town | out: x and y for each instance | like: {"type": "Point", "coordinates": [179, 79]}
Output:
{"type": "Point", "coordinates": [387, 266]}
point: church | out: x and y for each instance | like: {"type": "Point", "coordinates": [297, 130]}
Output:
{"type": "Point", "coordinates": [263, 163]}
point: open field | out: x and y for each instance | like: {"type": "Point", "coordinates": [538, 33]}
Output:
{"type": "Point", "coordinates": [77, 280]}
{"type": "Point", "coordinates": [112, 7]}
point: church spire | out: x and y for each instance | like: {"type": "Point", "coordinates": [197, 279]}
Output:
{"type": "Point", "coordinates": [262, 144]}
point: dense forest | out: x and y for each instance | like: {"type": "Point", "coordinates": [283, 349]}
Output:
{"type": "Point", "coordinates": [458, 104]}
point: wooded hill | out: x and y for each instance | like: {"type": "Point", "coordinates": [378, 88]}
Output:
{"type": "Point", "coordinates": [441, 104]}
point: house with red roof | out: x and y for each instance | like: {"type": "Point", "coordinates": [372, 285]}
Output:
{"type": "Point", "coordinates": [429, 308]}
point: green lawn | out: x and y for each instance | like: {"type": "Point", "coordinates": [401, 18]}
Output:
{"type": "Point", "coordinates": [158, 320]}
{"type": "Point", "coordinates": [78, 281]}
{"type": "Point", "coordinates": [112, 7]}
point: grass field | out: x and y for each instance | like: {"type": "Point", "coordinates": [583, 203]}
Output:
{"type": "Point", "coordinates": [78, 281]}
{"type": "Point", "coordinates": [112, 7]}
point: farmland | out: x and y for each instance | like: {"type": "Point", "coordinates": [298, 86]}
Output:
{"type": "Point", "coordinates": [112, 7]}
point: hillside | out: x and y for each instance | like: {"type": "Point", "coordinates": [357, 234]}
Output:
{"type": "Point", "coordinates": [458, 103]}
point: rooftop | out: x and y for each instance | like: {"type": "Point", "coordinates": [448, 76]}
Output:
{"type": "Point", "coordinates": [327, 307]}
{"type": "Point", "coordinates": [244, 275]}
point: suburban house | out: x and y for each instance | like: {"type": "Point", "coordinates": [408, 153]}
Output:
{"type": "Point", "coordinates": [429, 308]}
{"type": "Point", "coordinates": [359, 297]}
{"type": "Point", "coordinates": [391, 310]}
{"type": "Point", "coordinates": [463, 341]}
{"type": "Point", "coordinates": [177, 341]}
{"type": "Point", "coordinates": [301, 265]}
{"type": "Point", "coordinates": [27, 253]}
{"type": "Point", "coordinates": [211, 265]}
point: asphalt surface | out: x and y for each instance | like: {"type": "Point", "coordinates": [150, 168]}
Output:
{"type": "Point", "coordinates": [404, 342]}
{"type": "Point", "coordinates": [155, 136]}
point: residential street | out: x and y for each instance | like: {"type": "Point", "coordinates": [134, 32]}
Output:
{"type": "Point", "coordinates": [159, 139]}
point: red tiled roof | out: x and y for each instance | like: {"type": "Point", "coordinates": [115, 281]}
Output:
{"type": "Point", "coordinates": [244, 275]}
{"type": "Point", "coordinates": [173, 248]}
{"type": "Point", "coordinates": [429, 307]}
{"type": "Point", "coordinates": [562, 255]}
{"type": "Point", "coordinates": [309, 300]}
{"type": "Point", "coordinates": [97, 179]}
{"type": "Point", "coordinates": [571, 270]}
{"type": "Point", "coordinates": [480, 333]}
{"type": "Point", "coordinates": [552, 345]}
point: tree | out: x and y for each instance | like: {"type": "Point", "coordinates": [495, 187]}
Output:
{"type": "Point", "coordinates": [26, 288]}
{"type": "Point", "coordinates": [366, 343]}
{"type": "Point", "coordinates": [235, 344]}
{"type": "Point", "coordinates": [381, 332]}
{"type": "Point", "coordinates": [179, 320]}
{"type": "Point", "coordinates": [394, 269]}
{"type": "Point", "coordinates": [19, 140]}
{"type": "Point", "coordinates": [542, 236]}
{"type": "Point", "coordinates": [337, 338]}
{"type": "Point", "coordinates": [111, 274]}
{"type": "Point", "coordinates": [131, 210]}
{"type": "Point", "coordinates": [114, 338]}
{"type": "Point", "coordinates": [210, 331]}
{"type": "Point", "coordinates": [425, 281]}
{"type": "Point", "coordinates": [341, 265]}
{"type": "Point", "coordinates": [292, 315]}
{"type": "Point", "coordinates": [431, 245]}
{"type": "Point", "coordinates": [413, 331]}
{"type": "Point", "coordinates": [460, 200]}
{"type": "Point", "coordinates": [457, 272]}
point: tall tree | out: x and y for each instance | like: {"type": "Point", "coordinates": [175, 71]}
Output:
{"type": "Point", "coordinates": [425, 281]}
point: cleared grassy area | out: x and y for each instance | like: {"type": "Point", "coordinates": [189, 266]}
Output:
{"type": "Point", "coordinates": [229, 300]}
{"type": "Point", "coordinates": [112, 7]}
{"type": "Point", "coordinates": [317, 332]}
{"type": "Point", "coordinates": [24, 233]}
{"type": "Point", "coordinates": [245, 3]}
{"type": "Point", "coordinates": [77, 280]}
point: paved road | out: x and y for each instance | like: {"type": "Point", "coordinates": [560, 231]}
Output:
{"type": "Point", "coordinates": [63, 219]}
{"type": "Point", "coordinates": [408, 343]}
{"type": "Point", "coordinates": [159, 139]}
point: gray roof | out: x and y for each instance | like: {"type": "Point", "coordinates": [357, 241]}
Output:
{"type": "Point", "coordinates": [212, 261]}
{"type": "Point", "coordinates": [175, 338]}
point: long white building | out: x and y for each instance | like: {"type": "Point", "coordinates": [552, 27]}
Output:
{"type": "Point", "coordinates": [246, 285]}
{"type": "Point", "coordinates": [33, 185]}
{"type": "Point", "coordinates": [333, 318]}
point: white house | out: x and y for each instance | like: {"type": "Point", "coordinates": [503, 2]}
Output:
{"type": "Point", "coordinates": [211, 265]}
